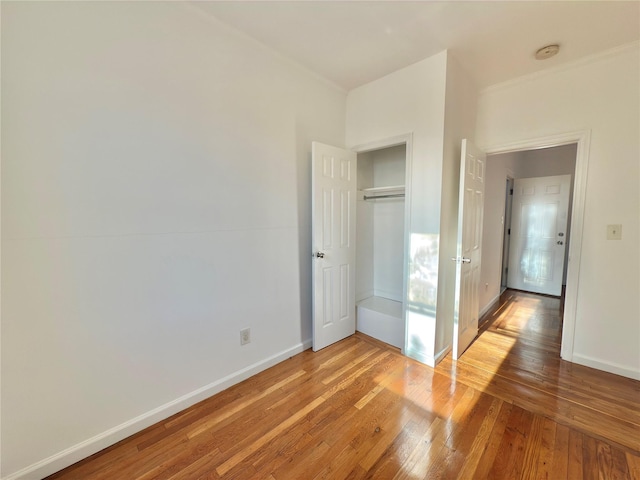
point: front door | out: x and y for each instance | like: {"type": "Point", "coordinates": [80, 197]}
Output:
{"type": "Point", "coordinates": [470, 213]}
{"type": "Point", "coordinates": [539, 234]}
{"type": "Point", "coordinates": [333, 243]}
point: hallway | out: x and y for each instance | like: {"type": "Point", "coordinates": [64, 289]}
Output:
{"type": "Point", "coordinates": [517, 359]}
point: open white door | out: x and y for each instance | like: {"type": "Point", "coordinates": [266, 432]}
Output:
{"type": "Point", "coordinates": [334, 249]}
{"type": "Point", "coordinates": [470, 213]}
{"type": "Point", "coordinates": [538, 234]}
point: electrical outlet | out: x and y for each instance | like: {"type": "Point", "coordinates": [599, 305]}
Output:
{"type": "Point", "coordinates": [245, 336]}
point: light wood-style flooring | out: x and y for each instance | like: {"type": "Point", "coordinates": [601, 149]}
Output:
{"type": "Point", "coordinates": [508, 409]}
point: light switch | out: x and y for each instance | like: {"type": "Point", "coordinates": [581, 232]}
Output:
{"type": "Point", "coordinates": [614, 232]}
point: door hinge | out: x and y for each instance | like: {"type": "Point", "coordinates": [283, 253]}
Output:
{"type": "Point", "coordinates": [508, 231]}
{"type": "Point", "coordinates": [511, 192]}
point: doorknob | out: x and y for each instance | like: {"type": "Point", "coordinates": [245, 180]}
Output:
{"type": "Point", "coordinates": [319, 255]}
{"type": "Point", "coordinates": [464, 260]}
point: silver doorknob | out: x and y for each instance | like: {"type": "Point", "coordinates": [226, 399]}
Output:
{"type": "Point", "coordinates": [464, 260]}
{"type": "Point", "coordinates": [319, 255]}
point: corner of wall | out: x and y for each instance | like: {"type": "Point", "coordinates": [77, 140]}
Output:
{"type": "Point", "coordinates": [459, 123]}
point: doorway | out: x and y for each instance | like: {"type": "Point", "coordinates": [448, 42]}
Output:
{"type": "Point", "coordinates": [380, 243]}
{"type": "Point", "coordinates": [579, 141]}
{"type": "Point", "coordinates": [359, 224]}
{"type": "Point", "coordinates": [536, 217]}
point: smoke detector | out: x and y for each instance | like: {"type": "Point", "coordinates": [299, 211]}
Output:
{"type": "Point", "coordinates": [547, 52]}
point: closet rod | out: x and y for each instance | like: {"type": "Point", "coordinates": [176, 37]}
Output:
{"type": "Point", "coordinates": [391, 195]}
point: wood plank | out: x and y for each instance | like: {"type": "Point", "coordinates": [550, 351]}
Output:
{"type": "Point", "coordinates": [589, 458]}
{"type": "Point", "coordinates": [574, 467]}
{"type": "Point", "coordinates": [253, 447]}
{"type": "Point", "coordinates": [509, 459]}
{"type": "Point", "coordinates": [545, 455]}
{"type": "Point", "coordinates": [493, 445]}
{"type": "Point", "coordinates": [231, 409]}
{"type": "Point", "coordinates": [480, 441]}
{"type": "Point", "coordinates": [533, 448]}
{"type": "Point", "coordinates": [560, 459]}
{"type": "Point", "coordinates": [633, 464]}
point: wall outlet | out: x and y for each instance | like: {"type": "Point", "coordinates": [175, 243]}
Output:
{"type": "Point", "coordinates": [245, 336]}
{"type": "Point", "coordinates": [614, 232]}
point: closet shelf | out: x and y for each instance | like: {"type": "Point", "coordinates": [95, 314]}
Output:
{"type": "Point", "coordinates": [383, 192]}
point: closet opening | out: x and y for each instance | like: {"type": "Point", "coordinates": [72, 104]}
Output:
{"type": "Point", "coordinates": [381, 214]}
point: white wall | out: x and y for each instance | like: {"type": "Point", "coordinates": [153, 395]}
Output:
{"type": "Point", "coordinates": [389, 166]}
{"type": "Point", "coordinates": [435, 100]}
{"type": "Point", "coordinates": [411, 101]}
{"type": "Point", "coordinates": [460, 123]}
{"type": "Point", "coordinates": [155, 200]}
{"type": "Point", "coordinates": [601, 95]}
{"type": "Point", "coordinates": [364, 230]}
{"type": "Point", "coordinates": [546, 162]}
{"type": "Point", "coordinates": [380, 226]}
{"type": "Point", "coordinates": [388, 224]}
{"type": "Point", "coordinates": [524, 164]}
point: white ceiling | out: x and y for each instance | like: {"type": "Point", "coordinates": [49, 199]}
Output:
{"type": "Point", "coordinates": [354, 42]}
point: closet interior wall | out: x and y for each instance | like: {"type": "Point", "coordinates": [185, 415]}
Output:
{"type": "Point", "coordinates": [380, 244]}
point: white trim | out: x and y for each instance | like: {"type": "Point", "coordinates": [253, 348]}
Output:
{"type": "Point", "coordinates": [420, 357]}
{"type": "Point", "coordinates": [105, 439]}
{"type": "Point", "coordinates": [489, 305]}
{"type": "Point", "coordinates": [582, 138]}
{"type": "Point", "coordinates": [426, 359]}
{"type": "Point", "coordinates": [610, 367]}
{"type": "Point", "coordinates": [384, 143]}
{"type": "Point", "coordinates": [443, 353]}
{"type": "Point", "coordinates": [1, 236]}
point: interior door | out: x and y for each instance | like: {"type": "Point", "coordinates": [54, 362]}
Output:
{"type": "Point", "coordinates": [334, 248]}
{"type": "Point", "coordinates": [470, 213]}
{"type": "Point", "coordinates": [539, 234]}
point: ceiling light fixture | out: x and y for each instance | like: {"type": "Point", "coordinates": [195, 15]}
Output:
{"type": "Point", "coordinates": [547, 52]}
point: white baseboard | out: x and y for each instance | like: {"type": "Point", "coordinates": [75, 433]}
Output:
{"type": "Point", "coordinates": [488, 306]}
{"type": "Point", "coordinates": [610, 367]}
{"type": "Point", "coordinates": [105, 439]}
{"type": "Point", "coordinates": [421, 357]}
{"type": "Point", "coordinates": [443, 353]}
{"type": "Point", "coordinates": [429, 360]}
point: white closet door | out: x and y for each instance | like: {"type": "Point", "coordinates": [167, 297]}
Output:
{"type": "Point", "coordinates": [334, 248]}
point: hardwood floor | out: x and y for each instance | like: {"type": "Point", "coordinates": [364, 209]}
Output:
{"type": "Point", "coordinates": [508, 409]}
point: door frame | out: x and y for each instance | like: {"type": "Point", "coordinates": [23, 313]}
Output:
{"type": "Point", "coordinates": [407, 141]}
{"type": "Point", "coordinates": [583, 139]}
{"type": "Point", "coordinates": [506, 231]}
